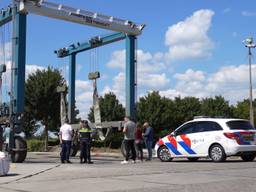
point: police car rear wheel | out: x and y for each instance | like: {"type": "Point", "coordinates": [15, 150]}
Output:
{"type": "Point", "coordinates": [248, 157]}
{"type": "Point", "coordinates": [164, 154]}
{"type": "Point", "coordinates": [217, 153]}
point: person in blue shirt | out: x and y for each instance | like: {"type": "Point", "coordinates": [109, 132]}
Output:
{"type": "Point", "coordinates": [148, 137]}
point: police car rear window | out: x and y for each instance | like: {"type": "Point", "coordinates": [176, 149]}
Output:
{"type": "Point", "coordinates": [243, 125]}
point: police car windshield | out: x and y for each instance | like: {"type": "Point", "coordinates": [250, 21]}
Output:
{"type": "Point", "coordinates": [244, 125]}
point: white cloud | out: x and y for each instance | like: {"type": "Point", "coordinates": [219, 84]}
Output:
{"type": "Point", "coordinates": [190, 75]}
{"type": "Point", "coordinates": [188, 39]}
{"type": "Point", "coordinates": [150, 67]}
{"type": "Point", "coordinates": [171, 93]}
{"type": "Point", "coordinates": [150, 73]}
{"type": "Point", "coordinates": [146, 61]}
{"type": "Point", "coordinates": [190, 83]}
{"type": "Point", "coordinates": [154, 81]}
{"type": "Point", "coordinates": [5, 52]}
{"type": "Point", "coordinates": [118, 87]}
{"type": "Point", "coordinates": [248, 13]}
{"type": "Point", "coordinates": [232, 82]}
{"type": "Point", "coordinates": [230, 77]}
{"type": "Point", "coordinates": [84, 94]}
{"type": "Point", "coordinates": [117, 60]}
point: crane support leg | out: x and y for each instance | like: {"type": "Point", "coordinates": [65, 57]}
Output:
{"type": "Point", "coordinates": [19, 63]}
{"type": "Point", "coordinates": [17, 145]}
{"type": "Point", "coordinates": [71, 88]}
{"type": "Point", "coordinates": [130, 76]}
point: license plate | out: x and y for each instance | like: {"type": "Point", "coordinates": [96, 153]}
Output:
{"type": "Point", "coordinates": [248, 137]}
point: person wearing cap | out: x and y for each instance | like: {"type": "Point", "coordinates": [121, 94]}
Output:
{"type": "Point", "coordinates": [85, 142]}
{"type": "Point", "coordinates": [129, 137]}
{"type": "Point", "coordinates": [65, 136]}
{"type": "Point", "coordinates": [148, 137]}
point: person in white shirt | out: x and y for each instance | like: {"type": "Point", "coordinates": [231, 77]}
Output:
{"type": "Point", "coordinates": [65, 136]}
{"type": "Point", "coordinates": [6, 136]}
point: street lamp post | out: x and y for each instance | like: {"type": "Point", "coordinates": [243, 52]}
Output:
{"type": "Point", "coordinates": [250, 44]}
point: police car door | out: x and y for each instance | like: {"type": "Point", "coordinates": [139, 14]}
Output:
{"type": "Point", "coordinates": [204, 135]}
{"type": "Point", "coordinates": [183, 137]}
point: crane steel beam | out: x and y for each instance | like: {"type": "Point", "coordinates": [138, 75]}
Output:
{"type": "Point", "coordinates": [91, 44]}
{"type": "Point", "coordinates": [5, 15]}
{"type": "Point", "coordinates": [62, 12]}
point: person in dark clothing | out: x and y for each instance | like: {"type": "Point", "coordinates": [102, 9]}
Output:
{"type": "Point", "coordinates": [148, 137]}
{"type": "Point", "coordinates": [139, 141]}
{"type": "Point", "coordinates": [85, 142]}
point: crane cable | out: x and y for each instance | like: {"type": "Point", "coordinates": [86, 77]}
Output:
{"type": "Point", "coordinates": [94, 66]}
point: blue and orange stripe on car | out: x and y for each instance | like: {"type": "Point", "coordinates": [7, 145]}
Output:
{"type": "Point", "coordinates": [172, 145]}
{"type": "Point", "coordinates": [186, 144]}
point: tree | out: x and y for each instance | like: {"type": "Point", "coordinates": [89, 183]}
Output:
{"type": "Point", "coordinates": [110, 109]}
{"type": "Point", "coordinates": [42, 102]}
{"type": "Point", "coordinates": [185, 109]}
{"type": "Point", "coordinates": [29, 126]}
{"type": "Point", "coordinates": [156, 110]}
{"type": "Point", "coordinates": [241, 110]}
{"type": "Point", "coordinates": [217, 106]}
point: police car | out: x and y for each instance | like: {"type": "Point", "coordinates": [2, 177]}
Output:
{"type": "Point", "coordinates": [216, 138]}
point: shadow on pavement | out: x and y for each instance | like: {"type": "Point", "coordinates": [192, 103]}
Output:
{"type": "Point", "coordinates": [11, 175]}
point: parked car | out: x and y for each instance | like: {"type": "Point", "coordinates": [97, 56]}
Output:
{"type": "Point", "coordinates": [216, 138]}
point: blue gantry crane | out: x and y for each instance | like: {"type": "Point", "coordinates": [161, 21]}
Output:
{"type": "Point", "coordinates": [17, 13]}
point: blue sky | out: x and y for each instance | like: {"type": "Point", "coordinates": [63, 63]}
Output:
{"type": "Point", "coordinates": [188, 48]}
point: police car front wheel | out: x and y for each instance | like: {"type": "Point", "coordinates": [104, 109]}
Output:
{"type": "Point", "coordinates": [164, 154]}
{"type": "Point", "coordinates": [217, 153]}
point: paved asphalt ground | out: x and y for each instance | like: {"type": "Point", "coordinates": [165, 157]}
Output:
{"type": "Point", "coordinates": [43, 172]}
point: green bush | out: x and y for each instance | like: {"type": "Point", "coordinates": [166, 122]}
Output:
{"type": "Point", "coordinates": [114, 141]}
{"type": "Point", "coordinates": [98, 143]}
{"type": "Point", "coordinates": [53, 142]}
{"type": "Point", "coordinates": [162, 133]}
{"type": "Point", "coordinates": [35, 145]}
